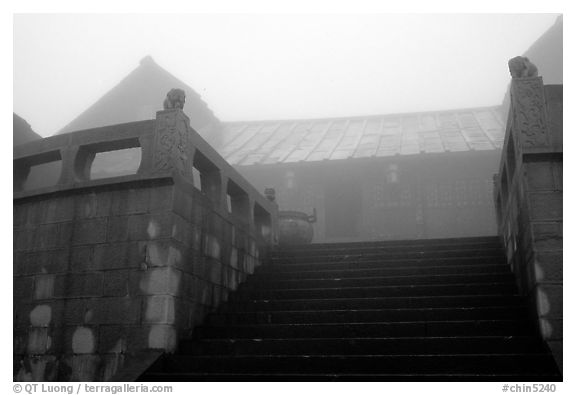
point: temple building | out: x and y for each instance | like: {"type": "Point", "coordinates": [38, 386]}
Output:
{"type": "Point", "coordinates": [401, 176]}
{"type": "Point", "coordinates": [380, 177]}
{"type": "Point", "coordinates": [394, 176]}
{"type": "Point", "coordinates": [147, 240]}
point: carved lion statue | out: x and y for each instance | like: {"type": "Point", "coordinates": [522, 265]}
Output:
{"type": "Point", "coordinates": [521, 67]}
{"type": "Point", "coordinates": [175, 99]}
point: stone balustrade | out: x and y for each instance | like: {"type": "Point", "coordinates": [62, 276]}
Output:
{"type": "Point", "coordinates": [110, 272]}
{"type": "Point", "coordinates": [528, 195]}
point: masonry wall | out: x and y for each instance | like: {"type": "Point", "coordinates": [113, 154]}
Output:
{"type": "Point", "coordinates": [402, 197]}
{"type": "Point", "coordinates": [112, 272]}
{"type": "Point", "coordinates": [529, 198]}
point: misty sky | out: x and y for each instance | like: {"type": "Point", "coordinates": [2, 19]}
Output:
{"type": "Point", "coordinates": [249, 67]}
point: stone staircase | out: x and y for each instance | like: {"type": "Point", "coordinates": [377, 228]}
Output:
{"type": "Point", "coordinates": [421, 310]}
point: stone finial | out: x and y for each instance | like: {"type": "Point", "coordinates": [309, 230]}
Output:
{"type": "Point", "coordinates": [521, 67]}
{"type": "Point", "coordinates": [175, 99]}
{"type": "Point", "coordinates": [270, 194]}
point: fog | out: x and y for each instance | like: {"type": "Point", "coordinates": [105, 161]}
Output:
{"type": "Point", "coordinates": [249, 67]}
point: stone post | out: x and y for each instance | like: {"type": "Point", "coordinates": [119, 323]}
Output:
{"type": "Point", "coordinates": [530, 201]}
{"type": "Point", "coordinates": [529, 112]}
{"type": "Point", "coordinates": [172, 147]}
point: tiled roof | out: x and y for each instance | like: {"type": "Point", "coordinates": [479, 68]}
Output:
{"type": "Point", "coordinates": [269, 142]}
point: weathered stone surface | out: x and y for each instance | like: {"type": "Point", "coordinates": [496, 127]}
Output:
{"type": "Point", "coordinates": [551, 329]}
{"type": "Point", "coordinates": [111, 363]}
{"type": "Point", "coordinates": [233, 261]}
{"type": "Point", "coordinates": [90, 231]}
{"type": "Point", "coordinates": [39, 340]}
{"type": "Point", "coordinates": [77, 285]}
{"type": "Point", "coordinates": [539, 175]}
{"type": "Point", "coordinates": [183, 205]}
{"type": "Point", "coordinates": [547, 236]}
{"type": "Point", "coordinates": [548, 267]}
{"type": "Point", "coordinates": [117, 230]}
{"type": "Point", "coordinates": [130, 201]}
{"type": "Point", "coordinates": [172, 147]}
{"type": "Point", "coordinates": [529, 113]}
{"type": "Point", "coordinates": [113, 339]}
{"type": "Point", "coordinates": [550, 301]}
{"type": "Point", "coordinates": [558, 176]}
{"type": "Point", "coordinates": [85, 367]}
{"type": "Point", "coordinates": [161, 198]}
{"type": "Point", "coordinates": [212, 246]}
{"type": "Point", "coordinates": [116, 283]}
{"type": "Point", "coordinates": [112, 256]}
{"type": "Point", "coordinates": [23, 288]}
{"type": "Point", "coordinates": [546, 206]}
{"type": "Point", "coordinates": [160, 226]}
{"type": "Point", "coordinates": [119, 267]}
{"type": "Point", "coordinates": [161, 281]}
{"type": "Point", "coordinates": [21, 314]}
{"type": "Point", "coordinates": [163, 253]}
{"type": "Point", "coordinates": [137, 227]}
{"type": "Point", "coordinates": [60, 210]}
{"type": "Point", "coordinates": [92, 205]}
{"type": "Point", "coordinates": [82, 259]}
{"type": "Point", "coordinates": [20, 341]}
{"type": "Point", "coordinates": [160, 309]}
{"type": "Point", "coordinates": [162, 337]}
{"type": "Point", "coordinates": [181, 230]}
{"type": "Point", "coordinates": [39, 368]}
{"type": "Point", "coordinates": [43, 237]}
{"type": "Point", "coordinates": [554, 106]}
{"type": "Point", "coordinates": [78, 311]}
{"type": "Point", "coordinates": [19, 215]}
{"type": "Point", "coordinates": [44, 286]}
{"type": "Point", "coordinates": [41, 315]}
{"type": "Point", "coordinates": [118, 310]}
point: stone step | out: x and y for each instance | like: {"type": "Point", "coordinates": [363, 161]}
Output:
{"type": "Point", "coordinates": [266, 273]}
{"type": "Point", "coordinates": [364, 364]}
{"type": "Point", "coordinates": [436, 279]}
{"type": "Point", "coordinates": [385, 256]}
{"type": "Point", "coordinates": [366, 346]}
{"type": "Point", "coordinates": [378, 377]}
{"type": "Point", "coordinates": [359, 316]}
{"type": "Point", "coordinates": [407, 243]}
{"type": "Point", "coordinates": [486, 288]}
{"type": "Point", "coordinates": [408, 310]}
{"type": "Point", "coordinates": [348, 248]}
{"type": "Point", "coordinates": [374, 303]}
{"type": "Point", "coordinates": [376, 329]}
{"type": "Point", "coordinates": [350, 263]}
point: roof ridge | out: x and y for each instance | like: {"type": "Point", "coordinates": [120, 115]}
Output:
{"type": "Point", "coordinates": [471, 129]}
{"type": "Point", "coordinates": [354, 117]}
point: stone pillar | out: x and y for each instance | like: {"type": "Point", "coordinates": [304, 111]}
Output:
{"type": "Point", "coordinates": [529, 114]}
{"type": "Point", "coordinates": [537, 203]}
{"type": "Point", "coordinates": [172, 148]}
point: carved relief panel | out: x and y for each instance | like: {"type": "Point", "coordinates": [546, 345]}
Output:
{"type": "Point", "coordinates": [172, 148]}
{"type": "Point", "coordinates": [529, 111]}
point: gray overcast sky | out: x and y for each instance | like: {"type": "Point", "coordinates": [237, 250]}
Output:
{"type": "Point", "coordinates": [272, 66]}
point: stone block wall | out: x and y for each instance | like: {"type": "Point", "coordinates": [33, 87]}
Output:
{"type": "Point", "coordinates": [529, 200]}
{"type": "Point", "coordinates": [105, 272]}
